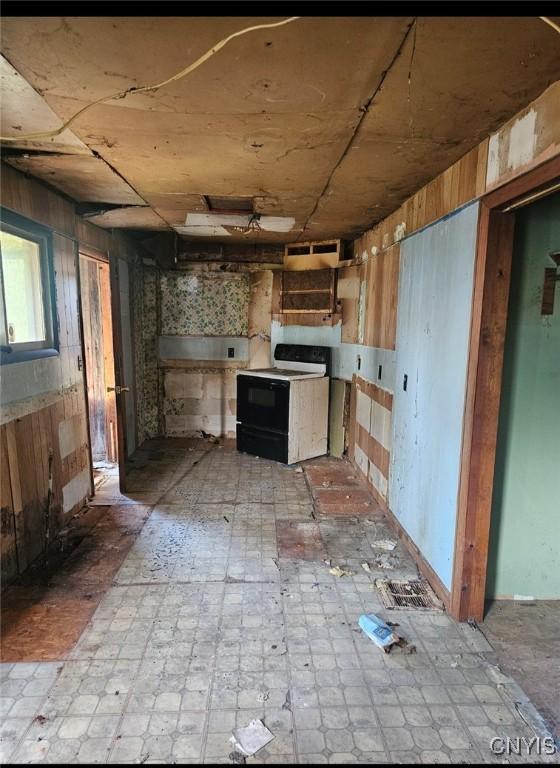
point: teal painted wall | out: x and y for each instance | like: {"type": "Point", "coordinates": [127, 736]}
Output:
{"type": "Point", "coordinates": [524, 556]}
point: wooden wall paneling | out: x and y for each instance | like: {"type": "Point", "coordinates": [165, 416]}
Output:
{"type": "Point", "coordinates": [348, 294]}
{"type": "Point", "coordinates": [276, 292]}
{"type": "Point", "coordinates": [89, 234]}
{"type": "Point", "coordinates": [382, 275]}
{"type": "Point", "coordinates": [481, 168]}
{"type": "Point", "coordinates": [377, 393]}
{"type": "Point", "coordinates": [41, 455]}
{"type": "Point", "coordinates": [59, 270]}
{"type": "Point", "coordinates": [368, 324]}
{"type": "Point", "coordinates": [392, 299]}
{"type": "Point", "coordinates": [72, 257]}
{"type": "Point", "coordinates": [376, 292]}
{"type": "Point", "coordinates": [55, 416]}
{"type": "Point", "coordinates": [45, 439]}
{"type": "Point", "coordinates": [15, 485]}
{"type": "Point", "coordinates": [352, 420]}
{"type": "Point", "coordinates": [33, 504]}
{"type": "Point", "coordinates": [8, 546]}
{"type": "Point", "coordinates": [33, 199]}
{"type": "Point", "coordinates": [377, 454]}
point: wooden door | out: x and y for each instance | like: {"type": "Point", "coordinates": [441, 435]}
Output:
{"type": "Point", "coordinates": [95, 291]}
{"type": "Point", "coordinates": [127, 372]}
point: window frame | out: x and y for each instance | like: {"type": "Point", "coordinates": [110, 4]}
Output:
{"type": "Point", "coordinates": [20, 226]}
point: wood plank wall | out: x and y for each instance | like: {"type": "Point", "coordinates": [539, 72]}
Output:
{"type": "Point", "coordinates": [45, 437]}
{"type": "Point", "coordinates": [370, 442]}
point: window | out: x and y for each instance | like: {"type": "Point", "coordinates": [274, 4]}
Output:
{"type": "Point", "coordinates": [27, 325]}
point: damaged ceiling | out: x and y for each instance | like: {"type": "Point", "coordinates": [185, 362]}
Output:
{"type": "Point", "coordinates": [328, 124]}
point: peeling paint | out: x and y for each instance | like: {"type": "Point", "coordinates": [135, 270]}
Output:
{"type": "Point", "coordinates": [493, 165]}
{"type": "Point", "coordinates": [522, 140]}
{"type": "Point", "coordinates": [76, 491]}
{"type": "Point", "coordinates": [71, 434]}
{"type": "Point", "coordinates": [400, 231]}
{"type": "Point", "coordinates": [362, 311]}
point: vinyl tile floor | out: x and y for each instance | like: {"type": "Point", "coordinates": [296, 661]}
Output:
{"type": "Point", "coordinates": [224, 610]}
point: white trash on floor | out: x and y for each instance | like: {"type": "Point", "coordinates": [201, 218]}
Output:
{"type": "Point", "coordinates": [253, 737]}
{"type": "Point", "coordinates": [387, 544]}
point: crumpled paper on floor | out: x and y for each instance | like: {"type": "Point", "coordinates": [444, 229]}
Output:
{"type": "Point", "coordinates": [338, 571]}
{"type": "Point", "coordinates": [387, 544]}
{"type": "Point", "coordinates": [251, 738]}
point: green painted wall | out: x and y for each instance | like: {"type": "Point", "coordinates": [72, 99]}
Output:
{"type": "Point", "coordinates": [525, 531]}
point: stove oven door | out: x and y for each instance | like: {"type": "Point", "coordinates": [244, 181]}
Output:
{"type": "Point", "coordinates": [263, 402]}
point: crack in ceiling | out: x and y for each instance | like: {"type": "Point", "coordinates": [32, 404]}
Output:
{"type": "Point", "coordinates": [335, 167]}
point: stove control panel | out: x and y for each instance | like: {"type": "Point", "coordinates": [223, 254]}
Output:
{"type": "Point", "coordinates": [304, 353]}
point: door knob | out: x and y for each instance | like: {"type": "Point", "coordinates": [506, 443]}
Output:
{"type": "Point", "coordinates": [118, 389]}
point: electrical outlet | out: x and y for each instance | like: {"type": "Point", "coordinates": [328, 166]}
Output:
{"type": "Point", "coordinates": [231, 352]}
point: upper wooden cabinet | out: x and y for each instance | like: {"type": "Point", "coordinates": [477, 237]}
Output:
{"type": "Point", "coordinates": [316, 254]}
{"type": "Point", "coordinates": [308, 291]}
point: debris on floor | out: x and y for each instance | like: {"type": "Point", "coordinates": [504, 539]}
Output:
{"type": "Point", "coordinates": [366, 567]}
{"type": "Point", "coordinates": [250, 739]}
{"type": "Point", "coordinates": [338, 571]}
{"type": "Point", "coordinates": [264, 696]}
{"type": "Point", "coordinates": [387, 544]}
{"type": "Point", "coordinates": [299, 469]}
{"type": "Point", "coordinates": [376, 629]}
{"type": "Point", "coordinates": [210, 438]}
{"type": "Point", "coordinates": [387, 561]}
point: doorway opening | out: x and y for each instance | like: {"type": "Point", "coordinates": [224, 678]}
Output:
{"type": "Point", "coordinates": [97, 324]}
{"type": "Point", "coordinates": [522, 559]}
{"type": "Point", "coordinates": [499, 210]}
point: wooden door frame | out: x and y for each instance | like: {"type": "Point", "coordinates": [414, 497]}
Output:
{"type": "Point", "coordinates": [484, 383]}
{"type": "Point", "coordinates": [118, 358]}
{"type": "Point", "coordinates": [104, 256]}
{"type": "Point", "coordinates": [77, 251]}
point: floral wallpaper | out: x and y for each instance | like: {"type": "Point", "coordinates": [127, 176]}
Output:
{"type": "Point", "coordinates": [151, 383]}
{"type": "Point", "coordinates": [137, 292]}
{"type": "Point", "coordinates": [204, 304]}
